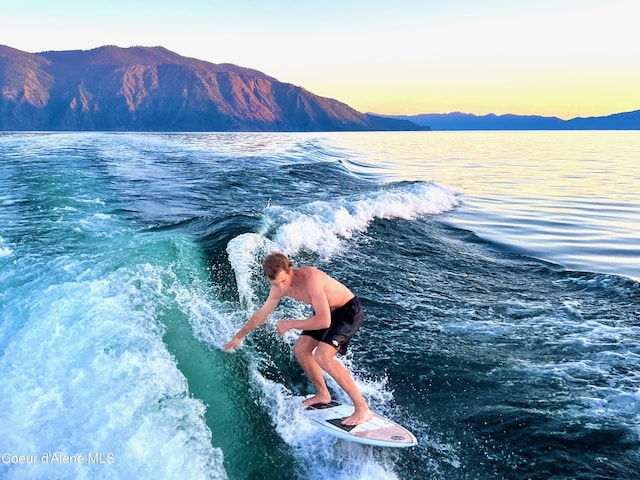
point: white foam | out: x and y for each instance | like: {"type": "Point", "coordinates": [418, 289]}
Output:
{"type": "Point", "coordinates": [209, 318]}
{"type": "Point", "coordinates": [5, 250]}
{"type": "Point", "coordinates": [245, 253]}
{"type": "Point", "coordinates": [321, 455]}
{"type": "Point", "coordinates": [95, 201]}
{"type": "Point", "coordinates": [321, 226]}
{"type": "Point", "coordinates": [86, 372]}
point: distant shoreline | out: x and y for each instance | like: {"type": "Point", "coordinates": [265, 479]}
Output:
{"type": "Point", "coordinates": [466, 121]}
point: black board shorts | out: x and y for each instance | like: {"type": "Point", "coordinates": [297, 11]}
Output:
{"type": "Point", "coordinates": [345, 321]}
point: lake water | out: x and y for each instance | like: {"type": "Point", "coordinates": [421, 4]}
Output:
{"type": "Point", "coordinates": [498, 270]}
{"type": "Point", "coordinates": [570, 197]}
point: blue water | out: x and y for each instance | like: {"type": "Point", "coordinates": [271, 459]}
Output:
{"type": "Point", "coordinates": [499, 272]}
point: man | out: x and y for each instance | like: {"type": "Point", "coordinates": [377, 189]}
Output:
{"type": "Point", "coordinates": [337, 316]}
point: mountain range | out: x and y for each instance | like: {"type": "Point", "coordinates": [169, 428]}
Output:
{"type": "Point", "coordinates": [153, 89]}
{"type": "Point", "coordinates": [467, 121]}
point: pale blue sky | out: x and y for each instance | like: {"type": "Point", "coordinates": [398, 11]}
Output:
{"type": "Point", "coordinates": [563, 57]}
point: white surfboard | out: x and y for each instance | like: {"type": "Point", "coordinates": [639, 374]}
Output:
{"type": "Point", "coordinates": [378, 431]}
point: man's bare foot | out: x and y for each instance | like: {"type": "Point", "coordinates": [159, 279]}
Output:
{"type": "Point", "coordinates": [317, 398]}
{"type": "Point", "coordinates": [358, 416]}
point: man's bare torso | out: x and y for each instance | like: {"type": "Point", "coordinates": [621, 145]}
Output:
{"type": "Point", "coordinates": [337, 294]}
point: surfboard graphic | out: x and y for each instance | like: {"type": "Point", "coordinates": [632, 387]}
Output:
{"type": "Point", "coordinates": [378, 431]}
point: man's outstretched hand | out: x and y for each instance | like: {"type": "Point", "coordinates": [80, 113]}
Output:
{"type": "Point", "coordinates": [232, 344]}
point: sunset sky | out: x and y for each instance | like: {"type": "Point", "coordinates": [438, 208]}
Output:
{"type": "Point", "coordinates": [564, 58]}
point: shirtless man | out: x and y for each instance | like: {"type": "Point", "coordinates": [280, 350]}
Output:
{"type": "Point", "coordinates": [337, 316]}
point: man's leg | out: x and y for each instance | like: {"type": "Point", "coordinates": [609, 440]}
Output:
{"type": "Point", "coordinates": [304, 354]}
{"type": "Point", "coordinates": [326, 357]}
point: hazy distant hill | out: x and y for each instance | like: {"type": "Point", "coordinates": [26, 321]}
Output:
{"type": "Point", "coordinates": [154, 89]}
{"type": "Point", "coordinates": [467, 121]}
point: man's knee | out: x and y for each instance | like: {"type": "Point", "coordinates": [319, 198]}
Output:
{"type": "Point", "coordinates": [324, 354]}
{"type": "Point", "coordinates": [299, 352]}
{"type": "Point", "coordinates": [304, 347]}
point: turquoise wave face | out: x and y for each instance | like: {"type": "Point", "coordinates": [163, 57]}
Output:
{"type": "Point", "coordinates": [87, 302]}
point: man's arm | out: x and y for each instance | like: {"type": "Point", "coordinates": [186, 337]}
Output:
{"type": "Point", "coordinates": [257, 319]}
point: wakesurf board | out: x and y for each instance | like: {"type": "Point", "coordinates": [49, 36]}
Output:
{"type": "Point", "coordinates": [378, 431]}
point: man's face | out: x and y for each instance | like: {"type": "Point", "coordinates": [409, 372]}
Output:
{"type": "Point", "coordinates": [282, 280]}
